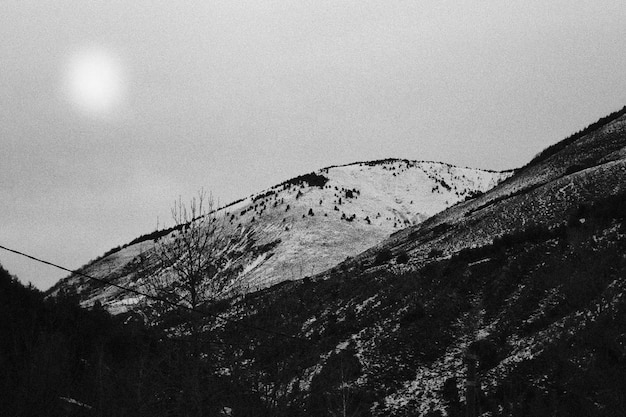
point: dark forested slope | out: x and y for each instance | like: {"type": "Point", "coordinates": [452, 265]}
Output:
{"type": "Point", "coordinates": [543, 310]}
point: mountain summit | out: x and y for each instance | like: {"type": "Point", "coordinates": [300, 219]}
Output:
{"type": "Point", "coordinates": [307, 224]}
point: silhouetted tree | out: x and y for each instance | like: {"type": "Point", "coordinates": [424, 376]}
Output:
{"type": "Point", "coordinates": [192, 276]}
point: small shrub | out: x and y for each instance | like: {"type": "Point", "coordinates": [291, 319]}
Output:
{"type": "Point", "coordinates": [383, 256]}
{"type": "Point", "coordinates": [402, 257]}
{"type": "Point", "coordinates": [574, 168]}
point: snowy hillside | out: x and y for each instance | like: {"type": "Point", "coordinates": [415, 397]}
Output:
{"type": "Point", "coordinates": [516, 298]}
{"type": "Point", "coordinates": [310, 223]}
{"type": "Point", "coordinates": [545, 191]}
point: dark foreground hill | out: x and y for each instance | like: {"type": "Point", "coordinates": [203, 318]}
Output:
{"type": "Point", "coordinates": [57, 359]}
{"type": "Point", "coordinates": [543, 310]}
{"type": "Point", "coordinates": [60, 360]}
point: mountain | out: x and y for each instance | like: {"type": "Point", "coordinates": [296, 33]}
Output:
{"type": "Point", "coordinates": [583, 169]}
{"type": "Point", "coordinates": [304, 225]}
{"type": "Point", "coordinates": [509, 304]}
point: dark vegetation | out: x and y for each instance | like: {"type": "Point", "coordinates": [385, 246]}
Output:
{"type": "Point", "coordinates": [526, 281]}
{"type": "Point", "coordinates": [505, 197]}
{"type": "Point", "coordinates": [383, 256]}
{"type": "Point", "coordinates": [156, 235]}
{"type": "Point", "coordinates": [52, 351]}
{"type": "Point", "coordinates": [58, 359]}
{"type": "Point", "coordinates": [312, 180]}
{"type": "Point", "coordinates": [551, 150]}
{"type": "Point", "coordinates": [579, 167]}
{"type": "Point", "coordinates": [56, 356]}
{"type": "Point", "coordinates": [402, 257]}
{"type": "Point", "coordinates": [263, 195]}
{"type": "Point", "coordinates": [389, 161]}
{"type": "Point", "coordinates": [472, 195]}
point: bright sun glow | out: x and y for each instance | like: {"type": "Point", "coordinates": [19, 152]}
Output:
{"type": "Point", "coordinates": [95, 82]}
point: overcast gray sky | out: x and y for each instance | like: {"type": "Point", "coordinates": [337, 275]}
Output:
{"type": "Point", "coordinates": [111, 109]}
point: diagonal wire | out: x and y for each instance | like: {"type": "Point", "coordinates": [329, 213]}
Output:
{"type": "Point", "coordinates": [156, 298]}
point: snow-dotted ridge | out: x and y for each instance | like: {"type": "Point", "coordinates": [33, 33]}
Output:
{"type": "Point", "coordinates": [311, 223]}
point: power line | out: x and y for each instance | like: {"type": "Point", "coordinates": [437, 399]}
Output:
{"type": "Point", "coordinates": [153, 297]}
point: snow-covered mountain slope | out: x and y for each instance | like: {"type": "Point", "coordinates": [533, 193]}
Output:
{"type": "Point", "coordinates": [527, 277]}
{"type": "Point", "coordinates": [526, 282]}
{"type": "Point", "coordinates": [575, 172]}
{"type": "Point", "coordinates": [307, 224]}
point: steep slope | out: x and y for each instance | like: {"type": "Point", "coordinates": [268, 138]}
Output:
{"type": "Point", "coordinates": [544, 192]}
{"type": "Point", "coordinates": [543, 313]}
{"type": "Point", "coordinates": [304, 225]}
{"type": "Point", "coordinates": [526, 282]}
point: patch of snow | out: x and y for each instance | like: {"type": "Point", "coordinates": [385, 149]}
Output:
{"type": "Point", "coordinates": [77, 403]}
{"type": "Point", "coordinates": [365, 303]}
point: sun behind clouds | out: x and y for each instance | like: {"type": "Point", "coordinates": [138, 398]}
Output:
{"type": "Point", "coordinates": [94, 82]}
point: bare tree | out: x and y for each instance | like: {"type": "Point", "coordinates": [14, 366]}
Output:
{"type": "Point", "coordinates": [187, 268]}
{"type": "Point", "coordinates": [191, 257]}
